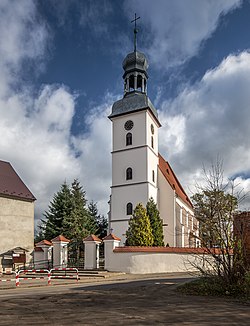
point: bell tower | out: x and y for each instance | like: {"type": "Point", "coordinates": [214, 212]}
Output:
{"type": "Point", "coordinates": [134, 144]}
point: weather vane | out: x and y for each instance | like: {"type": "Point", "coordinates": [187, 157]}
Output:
{"type": "Point", "coordinates": [135, 30]}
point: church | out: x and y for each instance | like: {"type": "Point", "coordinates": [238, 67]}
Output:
{"type": "Point", "coordinates": [139, 171]}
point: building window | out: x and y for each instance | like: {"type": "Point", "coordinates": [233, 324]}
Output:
{"type": "Point", "coordinates": [128, 139]}
{"type": "Point", "coordinates": [181, 216]}
{"type": "Point", "coordinates": [152, 141]}
{"type": "Point", "coordinates": [129, 174]}
{"type": "Point", "coordinates": [153, 176]}
{"type": "Point", "coordinates": [129, 208]}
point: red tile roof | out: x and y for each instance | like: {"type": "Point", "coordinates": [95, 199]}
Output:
{"type": "Point", "coordinates": [60, 238]}
{"type": "Point", "coordinates": [92, 237]}
{"type": "Point", "coordinates": [44, 242]}
{"type": "Point", "coordinates": [11, 184]}
{"type": "Point", "coordinates": [111, 236]}
{"type": "Point", "coordinates": [169, 175]}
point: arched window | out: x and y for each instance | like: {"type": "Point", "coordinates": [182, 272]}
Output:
{"type": "Point", "coordinates": [153, 176]}
{"type": "Point", "coordinates": [129, 208]}
{"type": "Point", "coordinates": [129, 174]}
{"type": "Point", "coordinates": [139, 82]}
{"type": "Point", "coordinates": [128, 139]}
{"type": "Point", "coordinates": [131, 83]}
{"type": "Point", "coordinates": [152, 141]}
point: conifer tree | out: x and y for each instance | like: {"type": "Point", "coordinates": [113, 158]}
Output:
{"type": "Point", "coordinates": [78, 223]}
{"type": "Point", "coordinates": [155, 222]}
{"type": "Point", "coordinates": [68, 214]}
{"type": "Point", "coordinates": [59, 208]}
{"type": "Point", "coordinates": [99, 221]}
{"type": "Point", "coordinates": [139, 232]}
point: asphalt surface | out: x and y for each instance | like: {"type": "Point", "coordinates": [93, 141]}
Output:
{"type": "Point", "coordinates": [119, 300]}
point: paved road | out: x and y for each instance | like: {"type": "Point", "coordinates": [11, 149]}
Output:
{"type": "Point", "coordinates": [129, 300]}
{"type": "Point", "coordinates": [35, 288]}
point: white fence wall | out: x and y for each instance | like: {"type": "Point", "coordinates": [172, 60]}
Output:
{"type": "Point", "coordinates": [149, 262]}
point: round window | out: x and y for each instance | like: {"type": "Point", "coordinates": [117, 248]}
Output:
{"type": "Point", "coordinates": [129, 125]}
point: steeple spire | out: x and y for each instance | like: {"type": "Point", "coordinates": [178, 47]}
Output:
{"type": "Point", "coordinates": [135, 31]}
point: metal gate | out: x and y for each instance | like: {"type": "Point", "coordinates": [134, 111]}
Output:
{"type": "Point", "coordinates": [101, 256]}
{"type": "Point", "coordinates": [76, 251]}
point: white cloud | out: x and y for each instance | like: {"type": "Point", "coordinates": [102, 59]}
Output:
{"type": "Point", "coordinates": [95, 157]}
{"type": "Point", "coordinates": [177, 28]}
{"type": "Point", "coordinates": [22, 37]}
{"type": "Point", "coordinates": [211, 118]}
{"type": "Point", "coordinates": [36, 129]}
{"type": "Point", "coordinates": [204, 120]}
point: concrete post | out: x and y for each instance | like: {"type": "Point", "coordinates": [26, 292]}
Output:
{"type": "Point", "coordinates": [110, 243]}
{"type": "Point", "coordinates": [60, 251]}
{"type": "Point", "coordinates": [42, 254]}
{"type": "Point", "coordinates": [91, 252]}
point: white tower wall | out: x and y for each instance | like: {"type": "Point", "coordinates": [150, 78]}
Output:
{"type": "Point", "coordinates": [142, 158]}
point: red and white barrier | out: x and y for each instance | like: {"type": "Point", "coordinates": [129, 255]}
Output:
{"type": "Point", "coordinates": [16, 279]}
{"type": "Point", "coordinates": [71, 269]}
{"type": "Point", "coordinates": [49, 276]}
{"type": "Point", "coordinates": [24, 271]}
{"type": "Point", "coordinates": [8, 280]}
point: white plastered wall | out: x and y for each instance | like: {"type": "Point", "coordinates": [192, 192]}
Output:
{"type": "Point", "coordinates": [139, 156]}
{"type": "Point", "coordinates": [166, 206]}
{"type": "Point", "coordinates": [147, 263]}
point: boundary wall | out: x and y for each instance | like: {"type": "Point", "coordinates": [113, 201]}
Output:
{"type": "Point", "coordinates": [147, 260]}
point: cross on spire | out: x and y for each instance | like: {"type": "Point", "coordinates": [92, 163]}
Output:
{"type": "Point", "coordinates": [135, 30]}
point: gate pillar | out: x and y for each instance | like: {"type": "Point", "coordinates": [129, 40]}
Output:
{"type": "Point", "coordinates": [110, 242]}
{"type": "Point", "coordinates": [60, 251]}
{"type": "Point", "coordinates": [91, 255]}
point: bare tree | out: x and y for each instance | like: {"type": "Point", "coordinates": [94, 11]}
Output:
{"type": "Point", "coordinates": [215, 205]}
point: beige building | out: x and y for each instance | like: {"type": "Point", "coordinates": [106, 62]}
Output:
{"type": "Point", "coordinates": [16, 219]}
{"type": "Point", "coordinates": [138, 170]}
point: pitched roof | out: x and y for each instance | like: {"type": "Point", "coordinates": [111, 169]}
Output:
{"type": "Point", "coordinates": [92, 237]}
{"type": "Point", "coordinates": [60, 238]}
{"type": "Point", "coordinates": [11, 184]}
{"type": "Point", "coordinates": [44, 242]}
{"type": "Point", "coordinates": [169, 175]}
{"type": "Point", "coordinates": [111, 236]}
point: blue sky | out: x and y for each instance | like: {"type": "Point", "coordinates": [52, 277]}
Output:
{"type": "Point", "coordinates": [61, 70]}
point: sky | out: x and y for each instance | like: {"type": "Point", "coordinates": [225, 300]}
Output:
{"type": "Point", "coordinates": [61, 71]}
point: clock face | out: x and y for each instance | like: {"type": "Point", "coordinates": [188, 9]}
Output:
{"type": "Point", "coordinates": [129, 125]}
{"type": "Point", "coordinates": [152, 129]}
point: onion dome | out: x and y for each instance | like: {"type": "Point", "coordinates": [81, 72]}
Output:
{"type": "Point", "coordinates": [135, 61]}
{"type": "Point", "coordinates": [135, 75]}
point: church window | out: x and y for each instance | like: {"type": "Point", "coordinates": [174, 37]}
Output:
{"type": "Point", "coordinates": [129, 208]}
{"type": "Point", "coordinates": [152, 141]}
{"type": "Point", "coordinates": [128, 139]}
{"type": "Point", "coordinates": [129, 174]}
{"type": "Point", "coordinates": [153, 176]}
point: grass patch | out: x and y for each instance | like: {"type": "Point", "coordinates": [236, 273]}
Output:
{"type": "Point", "coordinates": [214, 286]}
